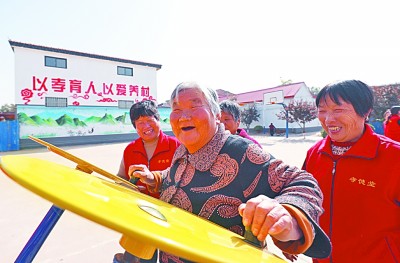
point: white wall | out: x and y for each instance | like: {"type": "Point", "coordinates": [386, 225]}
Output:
{"type": "Point", "coordinates": [30, 69]}
{"type": "Point", "coordinates": [268, 112]}
{"type": "Point", "coordinates": [305, 95]}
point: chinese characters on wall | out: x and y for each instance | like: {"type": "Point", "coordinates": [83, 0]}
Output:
{"type": "Point", "coordinates": [83, 93]}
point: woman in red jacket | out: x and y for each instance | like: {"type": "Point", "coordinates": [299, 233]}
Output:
{"type": "Point", "coordinates": [392, 124]}
{"type": "Point", "coordinates": [358, 172]}
{"type": "Point", "coordinates": [153, 148]}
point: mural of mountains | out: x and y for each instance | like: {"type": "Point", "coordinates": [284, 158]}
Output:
{"type": "Point", "coordinates": [78, 122]}
{"type": "Point", "coordinates": [93, 119]}
{"type": "Point", "coordinates": [36, 120]}
{"type": "Point", "coordinates": [121, 118]}
{"type": "Point", "coordinates": [108, 119]}
{"type": "Point", "coordinates": [66, 120]}
{"type": "Point", "coordinates": [25, 119]}
{"type": "Point", "coordinates": [50, 122]}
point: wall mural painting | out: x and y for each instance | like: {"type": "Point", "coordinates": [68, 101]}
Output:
{"type": "Point", "coordinates": [43, 122]}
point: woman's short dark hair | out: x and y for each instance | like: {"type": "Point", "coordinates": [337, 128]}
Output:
{"type": "Point", "coordinates": [394, 109]}
{"type": "Point", "coordinates": [355, 92]}
{"type": "Point", "coordinates": [144, 108]}
{"type": "Point", "coordinates": [230, 107]}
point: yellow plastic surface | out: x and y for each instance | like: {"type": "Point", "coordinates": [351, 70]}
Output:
{"type": "Point", "coordinates": [137, 248]}
{"type": "Point", "coordinates": [137, 216]}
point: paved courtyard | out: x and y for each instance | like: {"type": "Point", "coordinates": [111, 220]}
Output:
{"type": "Point", "coordinates": [75, 239]}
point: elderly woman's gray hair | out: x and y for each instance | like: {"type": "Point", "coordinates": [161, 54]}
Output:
{"type": "Point", "coordinates": [209, 94]}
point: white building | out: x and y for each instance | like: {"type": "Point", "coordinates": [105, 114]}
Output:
{"type": "Point", "coordinates": [270, 101]}
{"type": "Point", "coordinates": [64, 93]}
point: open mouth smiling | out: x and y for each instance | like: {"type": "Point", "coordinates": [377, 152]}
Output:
{"type": "Point", "coordinates": [334, 129]}
{"type": "Point", "coordinates": [188, 128]}
{"type": "Point", "coordinates": [148, 132]}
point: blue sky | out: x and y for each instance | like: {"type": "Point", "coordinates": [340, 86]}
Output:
{"type": "Point", "coordinates": [233, 45]}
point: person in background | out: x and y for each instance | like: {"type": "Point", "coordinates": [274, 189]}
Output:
{"type": "Point", "coordinates": [392, 124]}
{"type": "Point", "coordinates": [153, 148]}
{"type": "Point", "coordinates": [386, 115]}
{"type": "Point", "coordinates": [230, 117]}
{"type": "Point", "coordinates": [272, 129]}
{"type": "Point", "coordinates": [232, 182]}
{"type": "Point", "coordinates": [358, 172]}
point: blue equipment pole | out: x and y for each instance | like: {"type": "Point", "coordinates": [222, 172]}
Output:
{"type": "Point", "coordinates": [287, 118]}
{"type": "Point", "coordinates": [36, 241]}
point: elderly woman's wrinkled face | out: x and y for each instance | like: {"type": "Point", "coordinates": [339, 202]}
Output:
{"type": "Point", "coordinates": [192, 120]}
{"type": "Point", "coordinates": [341, 122]}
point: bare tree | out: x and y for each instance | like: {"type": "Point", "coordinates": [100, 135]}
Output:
{"type": "Point", "coordinates": [249, 115]}
{"type": "Point", "coordinates": [8, 108]}
{"type": "Point", "coordinates": [299, 111]}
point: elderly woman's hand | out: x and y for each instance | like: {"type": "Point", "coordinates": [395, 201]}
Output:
{"type": "Point", "coordinates": [141, 172]}
{"type": "Point", "coordinates": [267, 216]}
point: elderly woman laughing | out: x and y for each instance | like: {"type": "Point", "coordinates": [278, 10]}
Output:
{"type": "Point", "coordinates": [234, 183]}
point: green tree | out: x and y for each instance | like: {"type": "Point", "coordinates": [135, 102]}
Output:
{"type": "Point", "coordinates": [315, 90]}
{"type": "Point", "coordinates": [299, 111]}
{"type": "Point", "coordinates": [249, 115]}
{"type": "Point", "coordinates": [8, 108]}
{"type": "Point", "coordinates": [286, 81]}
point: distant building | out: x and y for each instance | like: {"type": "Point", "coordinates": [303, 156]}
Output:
{"type": "Point", "coordinates": [269, 102]}
{"type": "Point", "coordinates": [64, 93]}
{"type": "Point", "coordinates": [8, 115]}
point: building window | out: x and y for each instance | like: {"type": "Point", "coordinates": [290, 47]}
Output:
{"type": "Point", "coordinates": [56, 102]}
{"type": "Point", "coordinates": [55, 62]}
{"type": "Point", "coordinates": [125, 104]}
{"type": "Point", "coordinates": [124, 71]}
